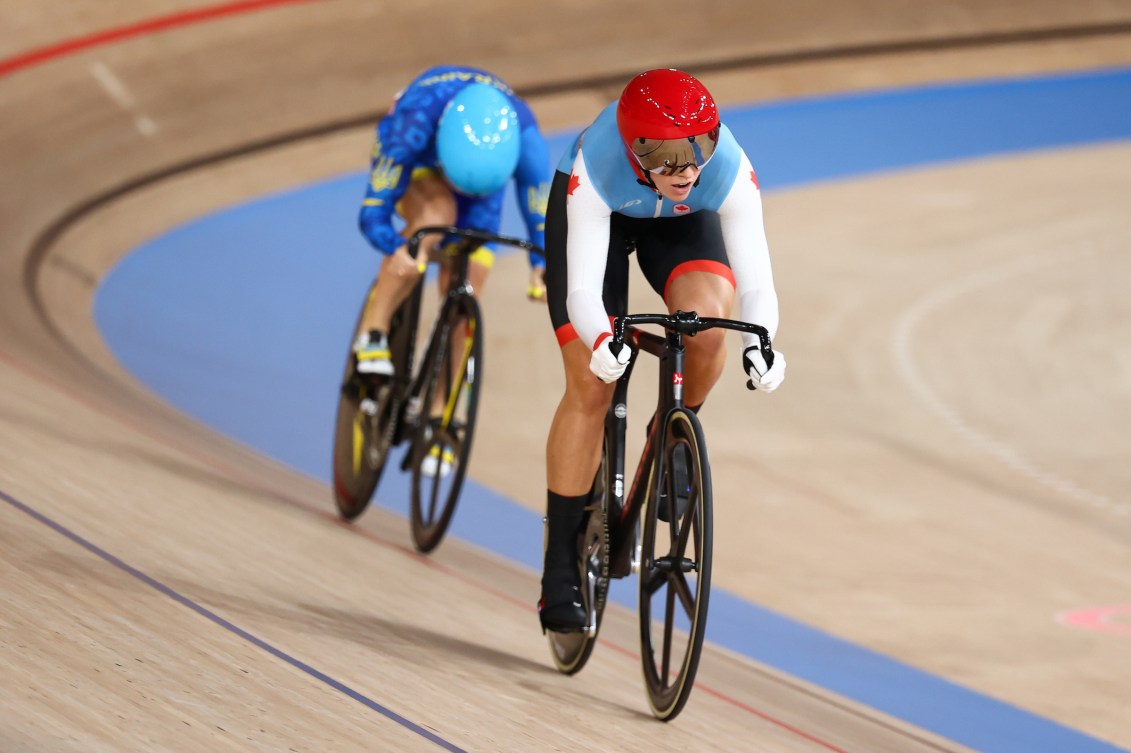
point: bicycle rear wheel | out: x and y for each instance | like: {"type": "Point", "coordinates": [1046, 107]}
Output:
{"type": "Point", "coordinates": [360, 444]}
{"type": "Point", "coordinates": [368, 417]}
{"type": "Point", "coordinates": [449, 405]}
{"type": "Point", "coordinates": [675, 567]}
{"type": "Point", "coordinates": [571, 651]}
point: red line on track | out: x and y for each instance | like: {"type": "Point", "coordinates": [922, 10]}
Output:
{"type": "Point", "coordinates": [200, 15]}
{"type": "Point", "coordinates": [141, 28]}
{"type": "Point", "coordinates": [323, 514]}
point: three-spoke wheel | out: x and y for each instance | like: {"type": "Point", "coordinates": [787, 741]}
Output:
{"type": "Point", "coordinates": [675, 566]}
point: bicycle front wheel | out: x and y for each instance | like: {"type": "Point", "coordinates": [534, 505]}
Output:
{"type": "Point", "coordinates": [675, 565]}
{"type": "Point", "coordinates": [449, 403]}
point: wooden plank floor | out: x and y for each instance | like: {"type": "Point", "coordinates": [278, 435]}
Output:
{"type": "Point", "coordinates": [165, 589]}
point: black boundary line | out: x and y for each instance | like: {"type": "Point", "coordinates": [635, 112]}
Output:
{"type": "Point", "coordinates": [41, 246]}
{"type": "Point", "coordinates": [43, 243]}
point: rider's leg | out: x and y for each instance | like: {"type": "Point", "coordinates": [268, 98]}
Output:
{"type": "Point", "coordinates": [573, 454]}
{"type": "Point", "coordinates": [709, 295]}
{"type": "Point", "coordinates": [428, 201]}
{"type": "Point", "coordinates": [573, 450]}
{"type": "Point", "coordinates": [479, 268]}
{"type": "Point", "coordinates": [573, 447]}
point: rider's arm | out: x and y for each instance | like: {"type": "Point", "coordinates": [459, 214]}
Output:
{"type": "Point", "coordinates": [532, 188]}
{"type": "Point", "coordinates": [390, 173]}
{"type": "Point", "coordinates": [587, 249]}
{"type": "Point", "coordinates": [748, 252]}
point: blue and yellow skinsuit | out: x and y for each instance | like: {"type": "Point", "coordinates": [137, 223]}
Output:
{"type": "Point", "coordinates": [405, 145]}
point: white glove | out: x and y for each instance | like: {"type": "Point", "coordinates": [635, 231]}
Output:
{"type": "Point", "coordinates": [607, 367]}
{"type": "Point", "coordinates": [762, 378]}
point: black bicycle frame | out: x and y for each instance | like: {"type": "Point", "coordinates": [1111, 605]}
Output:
{"type": "Point", "coordinates": [624, 510]}
{"type": "Point", "coordinates": [404, 338]}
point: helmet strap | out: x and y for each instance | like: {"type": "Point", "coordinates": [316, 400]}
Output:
{"type": "Point", "coordinates": [643, 177]}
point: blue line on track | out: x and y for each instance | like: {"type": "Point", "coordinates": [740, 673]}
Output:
{"type": "Point", "coordinates": [230, 627]}
{"type": "Point", "coordinates": [238, 319]}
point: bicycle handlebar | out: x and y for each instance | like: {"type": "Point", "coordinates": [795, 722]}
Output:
{"type": "Point", "coordinates": [690, 323]}
{"type": "Point", "coordinates": [479, 235]}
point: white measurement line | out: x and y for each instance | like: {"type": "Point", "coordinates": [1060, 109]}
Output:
{"type": "Point", "coordinates": [121, 96]}
{"type": "Point", "coordinates": [901, 345]}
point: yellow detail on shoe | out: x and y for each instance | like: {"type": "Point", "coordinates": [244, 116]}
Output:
{"type": "Point", "coordinates": [435, 465]}
{"type": "Point", "coordinates": [448, 456]}
{"type": "Point", "coordinates": [374, 355]}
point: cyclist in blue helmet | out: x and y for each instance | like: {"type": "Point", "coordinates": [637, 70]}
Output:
{"type": "Point", "coordinates": [443, 155]}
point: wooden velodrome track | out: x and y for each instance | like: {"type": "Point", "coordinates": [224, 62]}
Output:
{"type": "Point", "coordinates": [943, 474]}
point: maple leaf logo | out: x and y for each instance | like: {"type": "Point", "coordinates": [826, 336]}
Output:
{"type": "Point", "coordinates": [574, 182]}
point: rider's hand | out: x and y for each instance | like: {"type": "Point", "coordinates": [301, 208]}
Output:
{"type": "Point", "coordinates": [401, 265]}
{"type": "Point", "coordinates": [604, 365]}
{"type": "Point", "coordinates": [762, 378]}
{"type": "Point", "coordinates": [536, 287]}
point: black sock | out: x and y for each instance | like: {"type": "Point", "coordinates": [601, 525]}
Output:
{"type": "Point", "coordinates": [563, 523]}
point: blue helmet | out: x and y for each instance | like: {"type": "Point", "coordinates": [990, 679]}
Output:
{"type": "Point", "coordinates": [477, 140]}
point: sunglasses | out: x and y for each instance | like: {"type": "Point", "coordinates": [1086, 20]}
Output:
{"type": "Point", "coordinates": [672, 156]}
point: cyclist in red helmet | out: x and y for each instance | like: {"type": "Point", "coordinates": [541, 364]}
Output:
{"type": "Point", "coordinates": [658, 174]}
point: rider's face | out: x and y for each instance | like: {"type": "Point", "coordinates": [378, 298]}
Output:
{"type": "Point", "coordinates": [677, 187]}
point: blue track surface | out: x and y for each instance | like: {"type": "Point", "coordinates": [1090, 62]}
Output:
{"type": "Point", "coordinates": [238, 319]}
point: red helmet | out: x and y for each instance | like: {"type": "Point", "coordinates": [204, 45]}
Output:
{"type": "Point", "coordinates": [668, 120]}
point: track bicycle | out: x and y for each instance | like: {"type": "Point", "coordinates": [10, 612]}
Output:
{"type": "Point", "coordinates": [432, 409]}
{"type": "Point", "coordinates": [662, 528]}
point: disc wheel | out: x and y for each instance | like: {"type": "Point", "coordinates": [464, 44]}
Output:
{"type": "Point", "coordinates": [449, 404]}
{"type": "Point", "coordinates": [675, 566]}
{"type": "Point", "coordinates": [368, 418]}
{"type": "Point", "coordinates": [361, 443]}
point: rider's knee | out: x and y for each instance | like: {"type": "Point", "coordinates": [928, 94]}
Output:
{"type": "Point", "coordinates": [428, 201]}
{"type": "Point", "coordinates": [716, 308]}
{"type": "Point", "coordinates": [707, 344]}
{"type": "Point", "coordinates": [589, 394]}
{"type": "Point", "coordinates": [440, 210]}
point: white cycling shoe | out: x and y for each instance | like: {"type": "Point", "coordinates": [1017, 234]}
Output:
{"type": "Point", "coordinates": [371, 349]}
{"type": "Point", "coordinates": [435, 464]}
